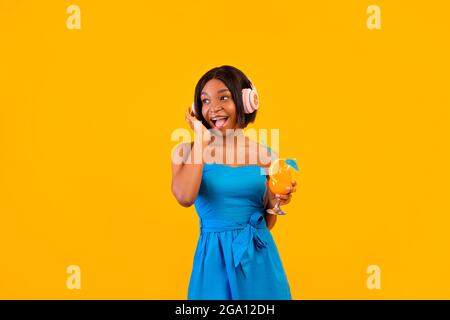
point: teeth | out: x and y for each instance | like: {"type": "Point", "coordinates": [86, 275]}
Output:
{"type": "Point", "coordinates": [217, 118]}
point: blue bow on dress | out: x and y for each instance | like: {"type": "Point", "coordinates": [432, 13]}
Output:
{"type": "Point", "coordinates": [247, 241]}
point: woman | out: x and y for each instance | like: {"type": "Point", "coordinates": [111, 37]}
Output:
{"type": "Point", "coordinates": [236, 257]}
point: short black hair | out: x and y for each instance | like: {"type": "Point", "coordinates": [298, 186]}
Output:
{"type": "Point", "coordinates": [235, 80]}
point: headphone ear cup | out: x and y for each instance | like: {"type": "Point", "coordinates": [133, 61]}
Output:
{"type": "Point", "coordinates": [245, 100]}
{"type": "Point", "coordinates": [254, 100]}
{"type": "Point", "coordinates": [250, 100]}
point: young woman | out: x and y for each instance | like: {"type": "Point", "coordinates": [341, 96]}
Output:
{"type": "Point", "coordinates": [236, 256]}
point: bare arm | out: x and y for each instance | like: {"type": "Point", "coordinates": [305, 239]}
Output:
{"type": "Point", "coordinates": [187, 175]}
{"type": "Point", "coordinates": [269, 202]}
{"type": "Point", "coordinates": [271, 219]}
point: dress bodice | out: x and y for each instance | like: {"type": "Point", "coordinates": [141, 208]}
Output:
{"type": "Point", "coordinates": [230, 195]}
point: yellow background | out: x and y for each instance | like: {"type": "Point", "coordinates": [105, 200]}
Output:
{"type": "Point", "coordinates": [86, 117]}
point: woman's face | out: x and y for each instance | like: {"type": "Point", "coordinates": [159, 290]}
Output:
{"type": "Point", "coordinates": [218, 107]}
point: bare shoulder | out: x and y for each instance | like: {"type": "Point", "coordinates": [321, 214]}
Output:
{"type": "Point", "coordinates": [264, 156]}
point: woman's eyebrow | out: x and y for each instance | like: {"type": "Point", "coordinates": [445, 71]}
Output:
{"type": "Point", "coordinates": [221, 90]}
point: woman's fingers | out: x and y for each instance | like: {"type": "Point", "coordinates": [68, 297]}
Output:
{"type": "Point", "coordinates": [285, 198]}
{"type": "Point", "coordinates": [292, 186]}
{"type": "Point", "coordinates": [282, 196]}
{"type": "Point", "coordinates": [189, 118]}
{"type": "Point", "coordinates": [291, 189]}
{"type": "Point", "coordinates": [188, 114]}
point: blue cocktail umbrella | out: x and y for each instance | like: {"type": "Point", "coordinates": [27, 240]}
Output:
{"type": "Point", "coordinates": [292, 163]}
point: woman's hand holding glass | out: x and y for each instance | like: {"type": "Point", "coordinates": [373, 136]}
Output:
{"type": "Point", "coordinates": [280, 185]}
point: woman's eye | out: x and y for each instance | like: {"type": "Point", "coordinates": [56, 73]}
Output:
{"type": "Point", "coordinates": [206, 101]}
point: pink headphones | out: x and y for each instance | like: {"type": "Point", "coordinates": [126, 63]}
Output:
{"type": "Point", "coordinates": [250, 99]}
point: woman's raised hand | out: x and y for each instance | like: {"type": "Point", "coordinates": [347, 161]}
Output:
{"type": "Point", "coordinates": [197, 126]}
{"type": "Point", "coordinates": [283, 198]}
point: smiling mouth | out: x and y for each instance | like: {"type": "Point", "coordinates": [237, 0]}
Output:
{"type": "Point", "coordinates": [219, 122]}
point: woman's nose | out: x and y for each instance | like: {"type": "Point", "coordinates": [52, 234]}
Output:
{"type": "Point", "coordinates": [216, 108]}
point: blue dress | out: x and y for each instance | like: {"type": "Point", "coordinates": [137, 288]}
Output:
{"type": "Point", "coordinates": [236, 256]}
